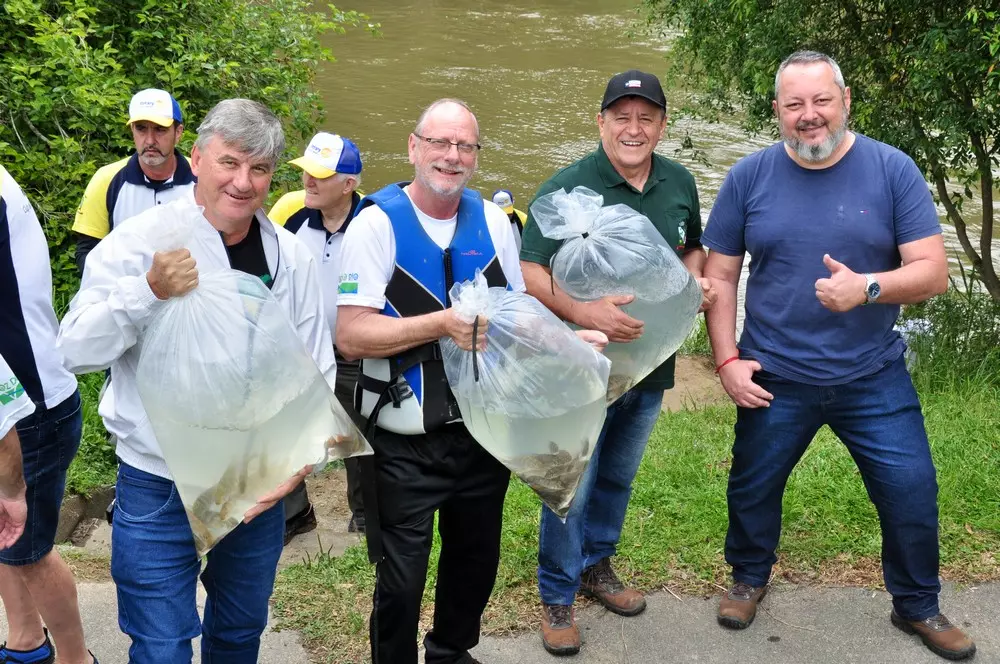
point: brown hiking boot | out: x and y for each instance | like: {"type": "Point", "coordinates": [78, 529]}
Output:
{"type": "Point", "coordinates": [939, 635]}
{"type": "Point", "coordinates": [600, 582]}
{"type": "Point", "coordinates": [739, 606]}
{"type": "Point", "coordinates": [560, 635]}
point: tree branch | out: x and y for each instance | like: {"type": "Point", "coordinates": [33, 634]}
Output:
{"type": "Point", "coordinates": [987, 270]}
{"type": "Point", "coordinates": [13, 125]}
{"type": "Point", "coordinates": [34, 130]}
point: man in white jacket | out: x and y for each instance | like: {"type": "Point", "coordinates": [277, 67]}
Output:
{"type": "Point", "coordinates": [153, 562]}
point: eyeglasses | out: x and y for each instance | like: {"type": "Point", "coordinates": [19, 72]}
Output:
{"type": "Point", "coordinates": [442, 145]}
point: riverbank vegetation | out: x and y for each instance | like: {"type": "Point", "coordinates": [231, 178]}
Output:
{"type": "Point", "coordinates": [68, 70]}
{"type": "Point", "coordinates": [924, 76]}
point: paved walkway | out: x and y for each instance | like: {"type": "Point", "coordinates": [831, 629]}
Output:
{"type": "Point", "coordinates": [799, 626]}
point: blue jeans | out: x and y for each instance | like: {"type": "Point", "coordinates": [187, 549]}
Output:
{"type": "Point", "coordinates": [594, 523]}
{"type": "Point", "coordinates": [879, 420]}
{"type": "Point", "coordinates": [49, 441]}
{"type": "Point", "coordinates": [155, 569]}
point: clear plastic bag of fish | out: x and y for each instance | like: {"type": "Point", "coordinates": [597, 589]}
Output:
{"type": "Point", "coordinates": [534, 396]}
{"type": "Point", "coordinates": [610, 250]}
{"type": "Point", "coordinates": [237, 403]}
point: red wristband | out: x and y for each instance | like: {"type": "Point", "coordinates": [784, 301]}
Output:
{"type": "Point", "coordinates": [730, 360]}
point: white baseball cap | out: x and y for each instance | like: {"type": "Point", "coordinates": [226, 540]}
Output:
{"type": "Point", "coordinates": [329, 154]}
{"type": "Point", "coordinates": [504, 200]}
{"type": "Point", "coordinates": [156, 106]}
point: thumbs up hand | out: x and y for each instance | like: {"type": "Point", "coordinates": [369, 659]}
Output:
{"type": "Point", "coordinates": [843, 290]}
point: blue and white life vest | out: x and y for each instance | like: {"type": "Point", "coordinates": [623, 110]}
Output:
{"type": "Point", "coordinates": [408, 393]}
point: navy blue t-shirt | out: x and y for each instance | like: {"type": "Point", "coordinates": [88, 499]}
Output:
{"type": "Point", "coordinates": [786, 217]}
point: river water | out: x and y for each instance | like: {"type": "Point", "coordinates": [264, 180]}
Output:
{"type": "Point", "coordinates": [534, 73]}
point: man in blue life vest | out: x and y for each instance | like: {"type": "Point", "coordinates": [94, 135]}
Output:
{"type": "Point", "coordinates": [319, 215]}
{"type": "Point", "coordinates": [156, 173]}
{"type": "Point", "coordinates": [401, 254]}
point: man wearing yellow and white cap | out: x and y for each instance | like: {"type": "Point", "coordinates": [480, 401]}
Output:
{"type": "Point", "coordinates": [319, 215]}
{"type": "Point", "coordinates": [505, 201]}
{"type": "Point", "coordinates": [156, 173]}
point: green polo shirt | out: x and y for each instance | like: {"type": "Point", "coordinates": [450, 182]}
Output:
{"type": "Point", "coordinates": [669, 199]}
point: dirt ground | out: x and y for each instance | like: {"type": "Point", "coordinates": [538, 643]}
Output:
{"type": "Point", "coordinates": [695, 385]}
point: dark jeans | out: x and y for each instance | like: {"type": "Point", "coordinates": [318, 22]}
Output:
{"type": "Point", "coordinates": [49, 441]}
{"type": "Point", "coordinates": [446, 472]}
{"type": "Point", "coordinates": [155, 569]}
{"type": "Point", "coordinates": [879, 420]}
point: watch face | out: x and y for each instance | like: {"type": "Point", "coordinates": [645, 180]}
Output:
{"type": "Point", "coordinates": [874, 290]}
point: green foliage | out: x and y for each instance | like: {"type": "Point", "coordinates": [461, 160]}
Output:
{"type": "Point", "coordinates": [69, 67]}
{"type": "Point", "coordinates": [94, 465]}
{"type": "Point", "coordinates": [923, 74]}
{"type": "Point", "coordinates": [697, 342]}
{"type": "Point", "coordinates": [955, 339]}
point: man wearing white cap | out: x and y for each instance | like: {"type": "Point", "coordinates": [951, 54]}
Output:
{"type": "Point", "coordinates": [156, 173]}
{"type": "Point", "coordinates": [505, 201]}
{"type": "Point", "coordinates": [319, 215]}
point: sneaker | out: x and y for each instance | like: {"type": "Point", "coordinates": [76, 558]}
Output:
{"type": "Point", "coordinates": [302, 522]}
{"type": "Point", "coordinates": [356, 524]}
{"type": "Point", "coordinates": [738, 607]}
{"type": "Point", "coordinates": [43, 654]}
{"type": "Point", "coordinates": [600, 582]}
{"type": "Point", "coordinates": [939, 635]}
{"type": "Point", "coordinates": [560, 635]}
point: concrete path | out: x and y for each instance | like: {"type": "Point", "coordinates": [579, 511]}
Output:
{"type": "Point", "coordinates": [799, 626]}
{"type": "Point", "coordinates": [99, 607]}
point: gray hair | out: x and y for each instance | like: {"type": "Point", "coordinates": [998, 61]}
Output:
{"type": "Point", "coordinates": [246, 125]}
{"type": "Point", "coordinates": [419, 129]}
{"type": "Point", "coordinates": [354, 176]}
{"type": "Point", "coordinates": [808, 58]}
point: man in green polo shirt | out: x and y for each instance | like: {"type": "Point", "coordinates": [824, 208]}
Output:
{"type": "Point", "coordinates": [575, 555]}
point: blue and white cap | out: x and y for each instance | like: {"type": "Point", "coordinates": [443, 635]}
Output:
{"type": "Point", "coordinates": [329, 154]}
{"type": "Point", "coordinates": [153, 105]}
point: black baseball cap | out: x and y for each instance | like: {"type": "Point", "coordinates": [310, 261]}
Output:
{"type": "Point", "coordinates": [634, 83]}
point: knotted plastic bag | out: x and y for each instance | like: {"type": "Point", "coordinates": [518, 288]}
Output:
{"type": "Point", "coordinates": [614, 250]}
{"type": "Point", "coordinates": [236, 402]}
{"type": "Point", "coordinates": [534, 396]}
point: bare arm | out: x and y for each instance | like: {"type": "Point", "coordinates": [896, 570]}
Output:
{"type": "Point", "coordinates": [13, 509]}
{"type": "Point", "coordinates": [366, 332]}
{"type": "Point", "coordinates": [923, 275]}
{"type": "Point", "coordinates": [694, 260]}
{"type": "Point", "coordinates": [737, 376]}
{"type": "Point", "coordinates": [538, 281]}
{"type": "Point", "coordinates": [603, 315]}
{"type": "Point", "coordinates": [724, 273]}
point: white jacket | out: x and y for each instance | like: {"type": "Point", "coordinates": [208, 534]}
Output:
{"type": "Point", "coordinates": [107, 317]}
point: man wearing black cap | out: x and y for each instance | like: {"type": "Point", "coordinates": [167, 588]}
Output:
{"type": "Point", "coordinates": [575, 555]}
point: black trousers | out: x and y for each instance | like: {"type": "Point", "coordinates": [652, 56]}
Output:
{"type": "Point", "coordinates": [446, 472]}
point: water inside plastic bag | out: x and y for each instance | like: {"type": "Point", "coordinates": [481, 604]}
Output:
{"type": "Point", "coordinates": [237, 404]}
{"type": "Point", "coordinates": [538, 404]}
{"type": "Point", "coordinates": [614, 250]}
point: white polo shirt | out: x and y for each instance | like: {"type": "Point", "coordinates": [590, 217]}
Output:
{"type": "Point", "coordinates": [307, 225]}
{"type": "Point", "coordinates": [28, 325]}
{"type": "Point", "coordinates": [368, 256]}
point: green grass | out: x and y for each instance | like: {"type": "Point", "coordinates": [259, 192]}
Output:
{"type": "Point", "coordinates": [95, 464]}
{"type": "Point", "coordinates": [676, 524]}
{"type": "Point", "coordinates": [697, 342]}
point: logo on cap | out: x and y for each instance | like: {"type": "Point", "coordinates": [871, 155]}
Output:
{"type": "Point", "coordinates": [634, 83]}
{"type": "Point", "coordinates": [326, 153]}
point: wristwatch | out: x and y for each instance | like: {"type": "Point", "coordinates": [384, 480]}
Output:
{"type": "Point", "coordinates": [872, 289]}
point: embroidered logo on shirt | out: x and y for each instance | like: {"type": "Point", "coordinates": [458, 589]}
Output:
{"type": "Point", "coordinates": [348, 288]}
